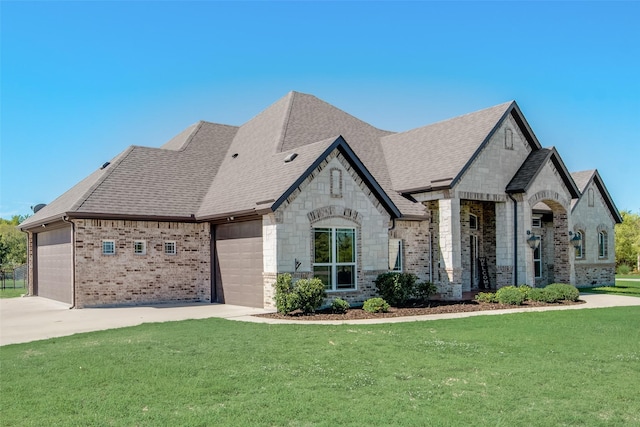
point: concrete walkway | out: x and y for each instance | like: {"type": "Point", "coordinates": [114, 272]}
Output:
{"type": "Point", "coordinates": [34, 318]}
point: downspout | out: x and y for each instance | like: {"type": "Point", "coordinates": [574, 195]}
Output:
{"type": "Point", "coordinates": [73, 259]}
{"type": "Point", "coordinates": [515, 239]}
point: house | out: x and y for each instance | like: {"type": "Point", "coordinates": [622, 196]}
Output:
{"type": "Point", "coordinates": [216, 213]}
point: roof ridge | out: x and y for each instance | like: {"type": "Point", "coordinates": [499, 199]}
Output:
{"type": "Point", "coordinates": [82, 200]}
{"type": "Point", "coordinates": [285, 123]}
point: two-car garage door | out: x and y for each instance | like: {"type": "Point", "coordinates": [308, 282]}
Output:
{"type": "Point", "coordinates": [238, 263]}
{"type": "Point", "coordinates": [54, 257]}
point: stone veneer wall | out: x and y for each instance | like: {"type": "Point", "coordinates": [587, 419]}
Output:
{"type": "Point", "coordinates": [595, 274]}
{"type": "Point", "coordinates": [416, 255]}
{"type": "Point", "coordinates": [126, 278]}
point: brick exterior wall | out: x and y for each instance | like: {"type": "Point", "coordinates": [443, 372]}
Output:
{"type": "Point", "coordinates": [416, 253]}
{"type": "Point", "coordinates": [127, 278]}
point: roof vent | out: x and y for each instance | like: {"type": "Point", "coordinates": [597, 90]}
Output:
{"type": "Point", "coordinates": [104, 165]}
{"type": "Point", "coordinates": [290, 157]}
{"type": "Point", "coordinates": [234, 155]}
{"type": "Point", "coordinates": [37, 207]}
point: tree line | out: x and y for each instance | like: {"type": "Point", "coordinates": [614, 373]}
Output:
{"type": "Point", "coordinates": [13, 242]}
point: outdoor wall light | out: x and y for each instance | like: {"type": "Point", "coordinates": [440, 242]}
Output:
{"type": "Point", "coordinates": [533, 240]}
{"type": "Point", "coordinates": [575, 240]}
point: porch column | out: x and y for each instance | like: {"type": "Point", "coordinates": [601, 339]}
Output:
{"type": "Point", "coordinates": [450, 248]}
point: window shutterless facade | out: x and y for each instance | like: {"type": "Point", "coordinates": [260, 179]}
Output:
{"type": "Point", "coordinates": [170, 248]}
{"type": "Point", "coordinates": [603, 244]}
{"type": "Point", "coordinates": [139, 247]}
{"type": "Point", "coordinates": [537, 261]}
{"type": "Point", "coordinates": [395, 255]}
{"type": "Point", "coordinates": [335, 257]}
{"type": "Point", "coordinates": [108, 247]}
{"type": "Point", "coordinates": [580, 247]}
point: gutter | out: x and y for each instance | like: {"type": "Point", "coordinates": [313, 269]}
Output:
{"type": "Point", "coordinates": [515, 239]}
{"type": "Point", "coordinates": [73, 258]}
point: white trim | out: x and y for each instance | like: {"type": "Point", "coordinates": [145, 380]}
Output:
{"type": "Point", "coordinates": [139, 247]}
{"type": "Point", "coordinates": [170, 243]}
{"type": "Point", "coordinates": [334, 265]}
{"type": "Point", "coordinates": [113, 247]}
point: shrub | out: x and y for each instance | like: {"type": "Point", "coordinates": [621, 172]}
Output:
{"type": "Point", "coordinates": [340, 306]}
{"type": "Point", "coordinates": [486, 297]}
{"type": "Point", "coordinates": [510, 295]}
{"type": "Point", "coordinates": [624, 269]}
{"type": "Point", "coordinates": [375, 305]}
{"type": "Point", "coordinates": [305, 294]}
{"type": "Point", "coordinates": [424, 290]}
{"type": "Point", "coordinates": [525, 289]}
{"type": "Point", "coordinates": [310, 294]}
{"type": "Point", "coordinates": [538, 294]}
{"type": "Point", "coordinates": [286, 298]}
{"type": "Point", "coordinates": [396, 288]}
{"type": "Point", "coordinates": [562, 291]}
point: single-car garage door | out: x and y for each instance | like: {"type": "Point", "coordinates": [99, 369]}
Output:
{"type": "Point", "coordinates": [238, 252]}
{"type": "Point", "coordinates": [54, 259]}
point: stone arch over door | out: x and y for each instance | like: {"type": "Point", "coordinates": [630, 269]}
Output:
{"type": "Point", "coordinates": [556, 239]}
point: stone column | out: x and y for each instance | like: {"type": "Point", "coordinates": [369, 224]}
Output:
{"type": "Point", "coordinates": [450, 248]}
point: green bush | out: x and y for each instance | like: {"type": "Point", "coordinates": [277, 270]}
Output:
{"type": "Point", "coordinates": [340, 306]}
{"type": "Point", "coordinates": [424, 290]}
{"type": "Point", "coordinates": [305, 294]}
{"type": "Point", "coordinates": [510, 295]}
{"type": "Point", "coordinates": [562, 291]}
{"type": "Point", "coordinates": [396, 288]}
{"type": "Point", "coordinates": [311, 293]}
{"type": "Point", "coordinates": [375, 305]}
{"type": "Point", "coordinates": [486, 297]}
{"type": "Point", "coordinates": [624, 269]}
{"type": "Point", "coordinates": [286, 298]}
{"type": "Point", "coordinates": [525, 289]}
{"type": "Point", "coordinates": [538, 294]}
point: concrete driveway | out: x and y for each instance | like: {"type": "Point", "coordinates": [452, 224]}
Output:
{"type": "Point", "coordinates": [34, 318]}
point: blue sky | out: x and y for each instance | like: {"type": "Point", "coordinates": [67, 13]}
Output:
{"type": "Point", "coordinates": [81, 81]}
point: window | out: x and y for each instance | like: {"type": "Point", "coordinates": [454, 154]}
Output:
{"type": "Point", "coordinates": [473, 222]}
{"type": "Point", "coordinates": [603, 244]}
{"type": "Point", "coordinates": [335, 257]}
{"type": "Point", "coordinates": [536, 221]}
{"type": "Point", "coordinates": [170, 248]}
{"type": "Point", "coordinates": [537, 261]}
{"type": "Point", "coordinates": [108, 247]}
{"type": "Point", "coordinates": [580, 247]}
{"type": "Point", "coordinates": [139, 247]}
{"type": "Point", "coordinates": [395, 255]}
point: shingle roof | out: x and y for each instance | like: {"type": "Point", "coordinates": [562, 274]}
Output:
{"type": "Point", "coordinates": [211, 170]}
{"type": "Point", "coordinates": [582, 178]}
{"type": "Point", "coordinates": [532, 166]}
{"type": "Point", "coordinates": [434, 155]}
{"type": "Point", "coordinates": [148, 182]}
{"type": "Point", "coordinates": [298, 123]}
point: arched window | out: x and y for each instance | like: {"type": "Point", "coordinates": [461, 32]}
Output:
{"type": "Point", "coordinates": [580, 245]}
{"type": "Point", "coordinates": [603, 244]}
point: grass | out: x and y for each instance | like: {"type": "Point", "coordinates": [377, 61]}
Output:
{"type": "Point", "coordinates": [577, 367]}
{"type": "Point", "coordinates": [622, 287]}
{"type": "Point", "coordinates": [9, 291]}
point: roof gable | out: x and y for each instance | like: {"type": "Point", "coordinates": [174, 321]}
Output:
{"type": "Point", "coordinates": [436, 156]}
{"type": "Point", "coordinates": [584, 178]}
{"type": "Point", "coordinates": [531, 167]}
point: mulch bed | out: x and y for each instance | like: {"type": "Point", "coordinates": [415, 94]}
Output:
{"type": "Point", "coordinates": [434, 307]}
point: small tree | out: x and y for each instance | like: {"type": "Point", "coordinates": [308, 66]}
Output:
{"type": "Point", "coordinates": [628, 239]}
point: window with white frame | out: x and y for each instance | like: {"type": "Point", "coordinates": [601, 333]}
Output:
{"type": "Point", "coordinates": [108, 247]}
{"type": "Point", "coordinates": [334, 259]}
{"type": "Point", "coordinates": [603, 244]}
{"type": "Point", "coordinates": [537, 261]}
{"type": "Point", "coordinates": [139, 247]}
{"type": "Point", "coordinates": [170, 248]}
{"type": "Point", "coordinates": [395, 255]}
{"type": "Point", "coordinates": [580, 247]}
{"type": "Point", "coordinates": [473, 222]}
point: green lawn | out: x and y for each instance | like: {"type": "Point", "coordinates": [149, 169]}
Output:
{"type": "Point", "coordinates": [622, 287]}
{"type": "Point", "coordinates": [577, 367]}
{"type": "Point", "coordinates": [10, 292]}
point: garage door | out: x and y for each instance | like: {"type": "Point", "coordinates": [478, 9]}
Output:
{"type": "Point", "coordinates": [54, 265]}
{"type": "Point", "coordinates": [238, 263]}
